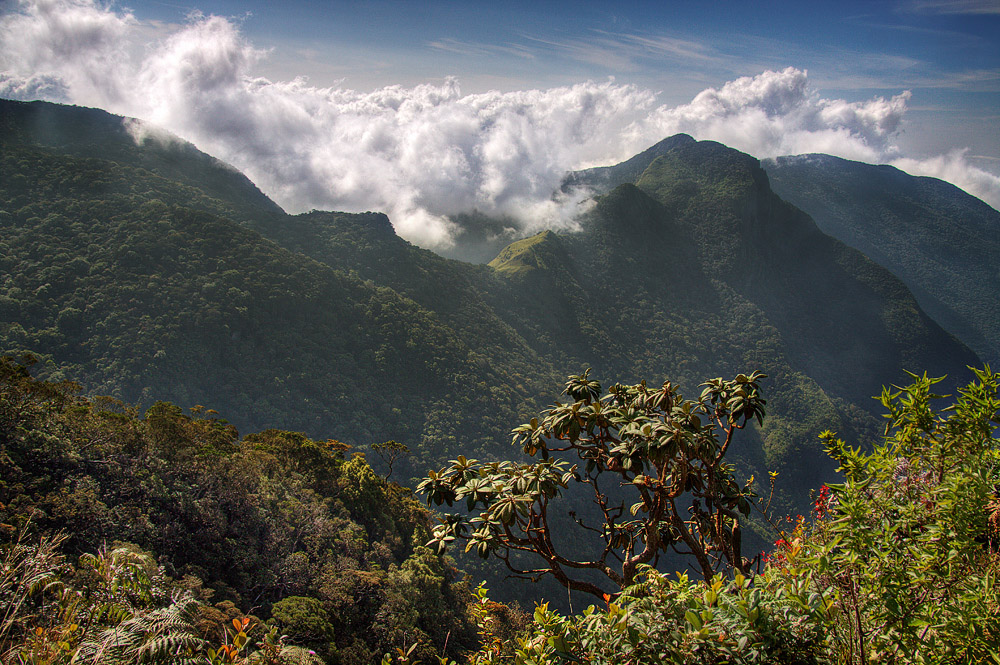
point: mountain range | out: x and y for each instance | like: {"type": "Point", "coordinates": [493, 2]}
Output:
{"type": "Point", "coordinates": [147, 270]}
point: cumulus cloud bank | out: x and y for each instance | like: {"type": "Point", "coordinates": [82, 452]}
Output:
{"type": "Point", "coordinates": [425, 153]}
{"type": "Point", "coordinates": [776, 113]}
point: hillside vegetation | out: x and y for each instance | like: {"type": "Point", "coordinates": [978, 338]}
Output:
{"type": "Point", "coordinates": [940, 241]}
{"type": "Point", "coordinates": [149, 271]}
{"type": "Point", "coordinates": [110, 516]}
{"type": "Point", "coordinates": [134, 284]}
{"type": "Point", "coordinates": [165, 538]}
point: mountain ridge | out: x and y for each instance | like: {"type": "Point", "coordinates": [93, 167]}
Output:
{"type": "Point", "coordinates": [79, 130]}
{"type": "Point", "coordinates": [941, 241]}
{"type": "Point", "coordinates": [683, 274]}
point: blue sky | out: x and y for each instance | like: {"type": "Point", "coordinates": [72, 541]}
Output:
{"type": "Point", "coordinates": [946, 53]}
{"type": "Point", "coordinates": [428, 109]}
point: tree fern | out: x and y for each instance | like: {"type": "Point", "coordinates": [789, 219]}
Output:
{"type": "Point", "coordinates": [162, 635]}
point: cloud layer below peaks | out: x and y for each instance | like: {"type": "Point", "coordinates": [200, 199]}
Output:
{"type": "Point", "coordinates": [425, 153]}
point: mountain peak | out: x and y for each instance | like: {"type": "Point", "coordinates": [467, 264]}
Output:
{"type": "Point", "coordinates": [662, 147]}
{"type": "Point", "coordinates": [603, 179]}
{"type": "Point", "coordinates": [708, 173]}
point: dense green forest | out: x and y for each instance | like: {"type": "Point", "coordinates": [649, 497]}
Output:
{"type": "Point", "coordinates": [164, 537]}
{"type": "Point", "coordinates": [154, 274]}
{"type": "Point", "coordinates": [940, 241]}
{"type": "Point", "coordinates": [114, 282]}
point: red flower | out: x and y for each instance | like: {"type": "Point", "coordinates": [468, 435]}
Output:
{"type": "Point", "coordinates": [822, 504]}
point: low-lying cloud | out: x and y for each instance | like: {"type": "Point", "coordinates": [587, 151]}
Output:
{"type": "Point", "coordinates": [425, 153]}
{"type": "Point", "coordinates": [955, 168]}
{"type": "Point", "coordinates": [776, 113]}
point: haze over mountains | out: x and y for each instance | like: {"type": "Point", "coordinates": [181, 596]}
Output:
{"type": "Point", "coordinates": [940, 241]}
{"type": "Point", "coordinates": [152, 271]}
{"type": "Point", "coordinates": [431, 148]}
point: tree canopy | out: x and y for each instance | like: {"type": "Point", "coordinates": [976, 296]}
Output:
{"type": "Point", "coordinates": [666, 451]}
{"type": "Point", "coordinates": [898, 563]}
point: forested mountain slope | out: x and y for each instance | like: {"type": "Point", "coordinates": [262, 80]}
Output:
{"type": "Point", "coordinates": [943, 243]}
{"type": "Point", "coordinates": [141, 273]}
{"type": "Point", "coordinates": [124, 280]}
{"type": "Point", "coordinates": [699, 270]}
{"type": "Point", "coordinates": [93, 133]}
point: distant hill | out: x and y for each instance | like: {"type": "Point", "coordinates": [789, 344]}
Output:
{"type": "Point", "coordinates": [152, 270]}
{"type": "Point", "coordinates": [943, 243]}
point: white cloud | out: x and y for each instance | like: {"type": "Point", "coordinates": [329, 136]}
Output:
{"type": "Point", "coordinates": [79, 41]}
{"type": "Point", "coordinates": [956, 169]}
{"type": "Point", "coordinates": [777, 113]}
{"type": "Point", "coordinates": [954, 6]}
{"type": "Point", "coordinates": [27, 88]}
{"type": "Point", "coordinates": [422, 153]}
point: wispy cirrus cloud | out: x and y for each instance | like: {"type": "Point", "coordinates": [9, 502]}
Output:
{"type": "Point", "coordinates": [952, 6]}
{"type": "Point", "coordinates": [971, 80]}
{"type": "Point", "coordinates": [426, 152]}
{"type": "Point", "coordinates": [460, 47]}
{"type": "Point", "coordinates": [657, 45]}
{"type": "Point", "coordinates": [626, 51]}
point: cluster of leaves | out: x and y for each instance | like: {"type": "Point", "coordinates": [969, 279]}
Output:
{"type": "Point", "coordinates": [118, 607]}
{"type": "Point", "coordinates": [770, 619]}
{"type": "Point", "coordinates": [911, 539]}
{"type": "Point", "coordinates": [274, 522]}
{"type": "Point", "coordinates": [668, 449]}
{"type": "Point", "coordinates": [777, 616]}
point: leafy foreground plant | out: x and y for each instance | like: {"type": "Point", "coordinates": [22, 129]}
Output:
{"type": "Point", "coordinates": [115, 607]}
{"type": "Point", "coordinates": [272, 524]}
{"type": "Point", "coordinates": [910, 540]}
{"type": "Point", "coordinates": [899, 565]}
{"type": "Point", "coordinates": [667, 450]}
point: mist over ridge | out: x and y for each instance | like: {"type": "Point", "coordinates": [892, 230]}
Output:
{"type": "Point", "coordinates": [426, 153]}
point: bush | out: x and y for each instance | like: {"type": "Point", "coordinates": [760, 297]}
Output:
{"type": "Point", "coordinates": [910, 538]}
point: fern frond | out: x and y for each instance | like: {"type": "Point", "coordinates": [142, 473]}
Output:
{"type": "Point", "coordinates": [164, 635]}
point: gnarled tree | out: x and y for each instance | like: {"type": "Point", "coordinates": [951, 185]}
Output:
{"type": "Point", "coordinates": [667, 451]}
